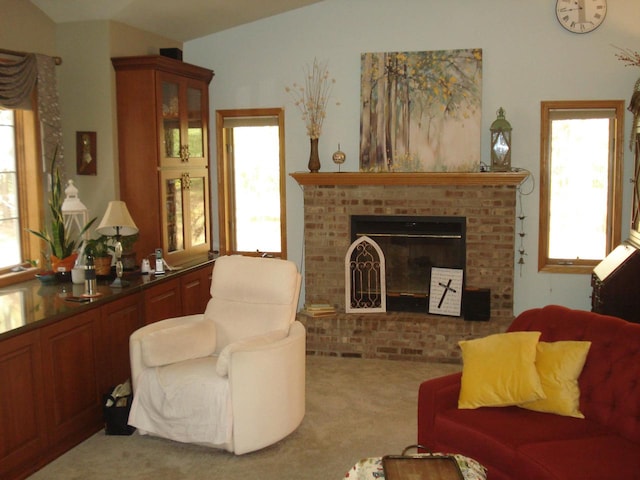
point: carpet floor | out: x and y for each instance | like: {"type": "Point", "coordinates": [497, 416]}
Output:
{"type": "Point", "coordinates": [355, 408]}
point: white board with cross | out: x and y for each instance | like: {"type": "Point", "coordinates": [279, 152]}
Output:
{"type": "Point", "coordinates": [445, 293]}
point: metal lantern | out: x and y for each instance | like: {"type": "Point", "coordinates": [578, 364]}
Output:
{"type": "Point", "coordinates": [74, 211]}
{"type": "Point", "coordinates": [500, 144]}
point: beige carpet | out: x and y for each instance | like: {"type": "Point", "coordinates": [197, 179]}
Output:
{"type": "Point", "coordinates": [355, 408]}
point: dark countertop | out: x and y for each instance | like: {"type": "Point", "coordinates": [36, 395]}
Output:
{"type": "Point", "coordinates": [31, 304]}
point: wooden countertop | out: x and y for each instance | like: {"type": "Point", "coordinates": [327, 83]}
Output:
{"type": "Point", "coordinates": [31, 304]}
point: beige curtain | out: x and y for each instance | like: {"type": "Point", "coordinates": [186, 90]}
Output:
{"type": "Point", "coordinates": [17, 80]}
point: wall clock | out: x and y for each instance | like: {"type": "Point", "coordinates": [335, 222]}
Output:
{"type": "Point", "coordinates": [581, 16]}
{"type": "Point", "coordinates": [445, 293]}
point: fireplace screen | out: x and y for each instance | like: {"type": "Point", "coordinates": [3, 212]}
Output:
{"type": "Point", "coordinates": [365, 289]}
{"type": "Point", "coordinates": [411, 246]}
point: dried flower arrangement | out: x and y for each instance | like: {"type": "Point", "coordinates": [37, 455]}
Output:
{"type": "Point", "coordinates": [312, 97]}
{"type": "Point", "coordinates": [628, 56]}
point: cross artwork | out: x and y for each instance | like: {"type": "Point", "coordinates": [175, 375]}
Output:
{"type": "Point", "coordinates": [445, 294]}
{"type": "Point", "coordinates": [447, 288]}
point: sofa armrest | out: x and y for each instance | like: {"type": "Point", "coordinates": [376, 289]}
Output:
{"type": "Point", "coordinates": [271, 379]}
{"type": "Point", "coordinates": [137, 338]}
{"type": "Point", "coordinates": [435, 395]}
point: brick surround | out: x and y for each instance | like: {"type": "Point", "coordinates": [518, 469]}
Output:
{"type": "Point", "coordinates": [489, 207]}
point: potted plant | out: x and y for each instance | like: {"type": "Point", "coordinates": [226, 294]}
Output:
{"type": "Point", "coordinates": [62, 249]}
{"type": "Point", "coordinates": [100, 249]}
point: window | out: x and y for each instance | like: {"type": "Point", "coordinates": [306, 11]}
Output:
{"type": "Point", "coordinates": [251, 181]}
{"type": "Point", "coordinates": [21, 197]}
{"type": "Point", "coordinates": [580, 184]}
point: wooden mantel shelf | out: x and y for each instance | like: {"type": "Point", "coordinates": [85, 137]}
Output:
{"type": "Point", "coordinates": [513, 178]}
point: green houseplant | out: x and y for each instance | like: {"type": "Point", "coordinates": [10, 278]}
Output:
{"type": "Point", "coordinates": [62, 248]}
{"type": "Point", "coordinates": [100, 249]}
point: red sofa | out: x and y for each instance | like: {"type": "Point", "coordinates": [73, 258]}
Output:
{"type": "Point", "coordinates": [518, 444]}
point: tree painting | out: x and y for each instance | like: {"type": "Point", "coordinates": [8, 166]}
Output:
{"type": "Point", "coordinates": [421, 111]}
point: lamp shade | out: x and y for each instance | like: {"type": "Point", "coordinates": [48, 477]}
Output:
{"type": "Point", "coordinates": [117, 221]}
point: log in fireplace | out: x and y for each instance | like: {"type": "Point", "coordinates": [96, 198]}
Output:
{"type": "Point", "coordinates": [412, 246]}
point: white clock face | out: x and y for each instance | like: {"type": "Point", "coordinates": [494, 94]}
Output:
{"type": "Point", "coordinates": [581, 16]}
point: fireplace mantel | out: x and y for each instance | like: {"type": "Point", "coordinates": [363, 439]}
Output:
{"type": "Point", "coordinates": [513, 178]}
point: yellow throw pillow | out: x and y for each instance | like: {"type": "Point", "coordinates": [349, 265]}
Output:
{"type": "Point", "coordinates": [499, 370]}
{"type": "Point", "coordinates": [559, 365]}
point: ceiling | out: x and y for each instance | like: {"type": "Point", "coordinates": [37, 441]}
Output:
{"type": "Point", "coordinates": [179, 20]}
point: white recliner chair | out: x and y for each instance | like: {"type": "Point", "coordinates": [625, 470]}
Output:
{"type": "Point", "coordinates": [233, 377]}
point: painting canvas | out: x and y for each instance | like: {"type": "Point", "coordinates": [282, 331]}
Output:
{"type": "Point", "coordinates": [421, 111]}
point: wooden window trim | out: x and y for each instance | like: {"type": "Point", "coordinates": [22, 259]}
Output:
{"type": "Point", "coordinates": [545, 263]}
{"type": "Point", "coordinates": [30, 199]}
{"type": "Point", "coordinates": [225, 187]}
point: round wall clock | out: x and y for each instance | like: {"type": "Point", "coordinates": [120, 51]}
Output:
{"type": "Point", "coordinates": [581, 16]}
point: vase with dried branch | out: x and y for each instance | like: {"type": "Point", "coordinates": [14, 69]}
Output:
{"type": "Point", "coordinates": [311, 99]}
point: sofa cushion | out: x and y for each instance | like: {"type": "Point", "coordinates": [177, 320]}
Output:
{"type": "Point", "coordinates": [609, 383]}
{"type": "Point", "coordinates": [499, 370]}
{"type": "Point", "coordinates": [251, 296]}
{"type": "Point", "coordinates": [493, 435]}
{"type": "Point", "coordinates": [559, 365]}
{"type": "Point", "coordinates": [587, 458]}
{"type": "Point", "coordinates": [193, 339]}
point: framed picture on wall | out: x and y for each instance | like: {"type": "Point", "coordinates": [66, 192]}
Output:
{"type": "Point", "coordinates": [86, 158]}
{"type": "Point", "coordinates": [421, 111]}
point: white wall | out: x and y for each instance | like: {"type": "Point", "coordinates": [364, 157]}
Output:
{"type": "Point", "coordinates": [528, 57]}
{"type": "Point", "coordinates": [85, 103]}
{"type": "Point", "coordinates": [86, 82]}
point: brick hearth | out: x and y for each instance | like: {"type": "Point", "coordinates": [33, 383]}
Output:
{"type": "Point", "coordinates": [487, 200]}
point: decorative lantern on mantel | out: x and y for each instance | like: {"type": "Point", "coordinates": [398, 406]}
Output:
{"type": "Point", "coordinates": [500, 144]}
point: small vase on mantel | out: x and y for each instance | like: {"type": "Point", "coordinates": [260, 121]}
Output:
{"type": "Point", "coordinates": [314, 157]}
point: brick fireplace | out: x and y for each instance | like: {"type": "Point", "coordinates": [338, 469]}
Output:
{"type": "Point", "coordinates": [486, 200]}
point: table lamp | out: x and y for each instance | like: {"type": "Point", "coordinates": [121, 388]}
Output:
{"type": "Point", "coordinates": [117, 222]}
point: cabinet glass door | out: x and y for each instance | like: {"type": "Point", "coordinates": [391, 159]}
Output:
{"type": "Point", "coordinates": [195, 123]}
{"type": "Point", "coordinates": [185, 213]}
{"type": "Point", "coordinates": [174, 214]}
{"type": "Point", "coordinates": [171, 120]}
{"type": "Point", "coordinates": [197, 209]}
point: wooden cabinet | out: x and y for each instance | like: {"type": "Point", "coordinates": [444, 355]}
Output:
{"type": "Point", "coordinates": [22, 415]}
{"type": "Point", "coordinates": [163, 136]}
{"type": "Point", "coordinates": [195, 287]}
{"type": "Point", "coordinates": [162, 301]}
{"type": "Point", "coordinates": [614, 282]}
{"type": "Point", "coordinates": [118, 320]}
{"type": "Point", "coordinates": [52, 377]}
{"type": "Point", "coordinates": [183, 121]}
{"type": "Point", "coordinates": [184, 295]}
{"type": "Point", "coordinates": [69, 373]}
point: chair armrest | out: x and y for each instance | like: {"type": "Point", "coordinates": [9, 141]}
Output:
{"type": "Point", "coordinates": [271, 382]}
{"type": "Point", "coordinates": [247, 344]}
{"type": "Point", "coordinates": [435, 395]}
{"type": "Point", "coordinates": [137, 338]}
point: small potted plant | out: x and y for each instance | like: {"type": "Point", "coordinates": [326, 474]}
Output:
{"type": "Point", "coordinates": [63, 250]}
{"type": "Point", "coordinates": [100, 249]}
